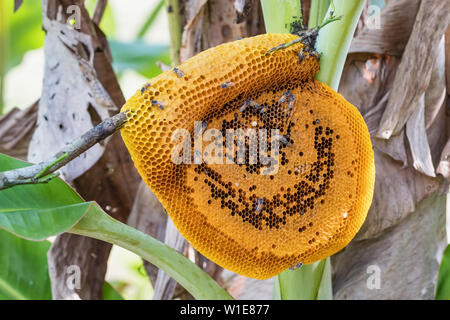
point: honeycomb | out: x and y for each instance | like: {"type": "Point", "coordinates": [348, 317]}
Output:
{"type": "Point", "coordinates": [243, 214]}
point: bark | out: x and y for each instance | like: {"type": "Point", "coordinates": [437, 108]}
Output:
{"type": "Point", "coordinates": [414, 72]}
{"type": "Point", "coordinates": [80, 89]}
{"type": "Point", "coordinates": [397, 80]}
{"type": "Point", "coordinates": [16, 129]}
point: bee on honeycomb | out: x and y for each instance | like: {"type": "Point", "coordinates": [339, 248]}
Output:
{"type": "Point", "coordinates": [255, 224]}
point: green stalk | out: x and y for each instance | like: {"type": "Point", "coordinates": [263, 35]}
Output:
{"type": "Point", "coordinates": [334, 41]}
{"type": "Point", "coordinates": [310, 282]}
{"type": "Point", "coordinates": [98, 225]}
{"type": "Point", "coordinates": [3, 51]}
{"type": "Point", "coordinates": [317, 12]}
{"type": "Point", "coordinates": [151, 18]}
{"type": "Point", "coordinates": [174, 30]}
{"type": "Point", "coordinates": [307, 281]}
{"type": "Point", "coordinates": [279, 14]}
{"type": "Point", "coordinates": [314, 281]}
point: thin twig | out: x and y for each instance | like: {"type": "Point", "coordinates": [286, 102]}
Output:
{"type": "Point", "coordinates": [44, 171]}
{"type": "Point", "coordinates": [173, 15]}
{"type": "Point", "coordinates": [308, 34]}
{"type": "Point", "coordinates": [46, 179]}
{"type": "Point", "coordinates": [99, 10]}
{"type": "Point", "coordinates": [311, 33]}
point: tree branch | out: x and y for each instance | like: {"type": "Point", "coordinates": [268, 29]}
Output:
{"type": "Point", "coordinates": [43, 172]}
{"type": "Point", "coordinates": [99, 10]}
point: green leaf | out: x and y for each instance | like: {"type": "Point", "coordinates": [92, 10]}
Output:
{"type": "Point", "coordinates": [310, 282]}
{"type": "Point", "coordinates": [107, 24]}
{"type": "Point", "coordinates": [317, 12]}
{"type": "Point", "coordinates": [279, 16]}
{"type": "Point", "coordinates": [25, 30]}
{"type": "Point", "coordinates": [23, 269]}
{"type": "Point", "coordinates": [334, 41]}
{"type": "Point", "coordinates": [138, 56]}
{"type": "Point", "coordinates": [109, 293]}
{"type": "Point", "coordinates": [96, 224]}
{"type": "Point", "coordinates": [314, 281]}
{"type": "Point", "coordinates": [39, 224]}
{"type": "Point", "coordinates": [39, 211]}
{"type": "Point", "coordinates": [443, 282]}
{"type": "Point", "coordinates": [148, 23]}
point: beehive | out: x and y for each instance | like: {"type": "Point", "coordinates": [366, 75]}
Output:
{"type": "Point", "coordinates": [252, 223]}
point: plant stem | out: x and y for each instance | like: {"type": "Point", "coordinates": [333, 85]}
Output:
{"type": "Point", "coordinates": [151, 18]}
{"type": "Point", "coordinates": [278, 15]}
{"type": "Point", "coordinates": [334, 41]}
{"type": "Point", "coordinates": [101, 226]}
{"type": "Point", "coordinates": [173, 14]}
{"type": "Point", "coordinates": [310, 282]}
{"type": "Point", "coordinates": [317, 12]}
{"type": "Point", "coordinates": [304, 35]}
{"type": "Point", "coordinates": [41, 172]}
{"type": "Point", "coordinates": [3, 51]}
{"type": "Point", "coordinates": [314, 281]}
{"type": "Point", "coordinates": [305, 282]}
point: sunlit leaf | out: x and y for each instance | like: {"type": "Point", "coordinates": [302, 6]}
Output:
{"type": "Point", "coordinates": [138, 56]}
{"type": "Point", "coordinates": [107, 24]}
{"type": "Point", "coordinates": [149, 22]}
{"type": "Point", "coordinates": [25, 30]}
{"type": "Point", "coordinates": [443, 283]}
{"type": "Point", "coordinates": [309, 282]}
{"type": "Point", "coordinates": [109, 293]}
{"type": "Point", "coordinates": [39, 211]}
{"type": "Point", "coordinates": [36, 211]}
{"type": "Point", "coordinates": [23, 268]}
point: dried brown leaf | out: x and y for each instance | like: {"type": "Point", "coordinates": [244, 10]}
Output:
{"type": "Point", "coordinates": [413, 75]}
{"type": "Point", "coordinates": [16, 129]}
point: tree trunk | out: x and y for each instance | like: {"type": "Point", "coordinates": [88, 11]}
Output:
{"type": "Point", "coordinates": [397, 80]}
{"type": "Point", "coordinates": [80, 89]}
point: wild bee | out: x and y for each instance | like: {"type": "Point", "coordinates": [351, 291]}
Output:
{"type": "Point", "coordinates": [255, 105]}
{"type": "Point", "coordinates": [158, 103]}
{"type": "Point", "coordinates": [285, 96]}
{"type": "Point", "coordinates": [298, 265]}
{"type": "Point", "coordinates": [283, 139]}
{"type": "Point", "coordinates": [262, 109]}
{"type": "Point", "coordinates": [178, 72]}
{"type": "Point", "coordinates": [310, 51]}
{"type": "Point", "coordinates": [227, 85]}
{"type": "Point", "coordinates": [245, 105]}
{"type": "Point", "coordinates": [145, 87]}
{"type": "Point", "coordinates": [291, 102]}
{"type": "Point", "coordinates": [259, 205]}
{"type": "Point", "coordinates": [300, 55]}
{"type": "Point", "coordinates": [204, 125]}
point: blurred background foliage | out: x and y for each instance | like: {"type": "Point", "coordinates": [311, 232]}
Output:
{"type": "Point", "coordinates": [24, 31]}
{"type": "Point", "coordinates": [137, 33]}
{"type": "Point", "coordinates": [138, 37]}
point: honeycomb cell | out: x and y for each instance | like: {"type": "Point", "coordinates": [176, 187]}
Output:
{"type": "Point", "coordinates": [253, 210]}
